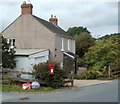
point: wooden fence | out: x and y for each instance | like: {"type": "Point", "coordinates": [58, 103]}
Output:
{"type": "Point", "coordinates": [115, 72]}
{"type": "Point", "coordinates": [8, 71]}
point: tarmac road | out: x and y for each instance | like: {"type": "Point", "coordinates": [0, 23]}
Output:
{"type": "Point", "coordinates": [107, 92]}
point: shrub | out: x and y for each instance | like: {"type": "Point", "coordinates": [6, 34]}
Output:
{"type": "Point", "coordinates": [91, 74]}
{"type": "Point", "coordinates": [41, 72]}
{"type": "Point", "coordinates": [78, 76]}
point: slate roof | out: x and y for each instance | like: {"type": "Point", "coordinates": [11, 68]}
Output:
{"type": "Point", "coordinates": [52, 27]}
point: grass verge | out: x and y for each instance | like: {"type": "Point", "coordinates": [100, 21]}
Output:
{"type": "Point", "coordinates": [16, 88]}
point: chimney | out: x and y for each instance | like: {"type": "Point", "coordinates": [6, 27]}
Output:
{"type": "Point", "coordinates": [26, 8]}
{"type": "Point", "coordinates": [53, 20]}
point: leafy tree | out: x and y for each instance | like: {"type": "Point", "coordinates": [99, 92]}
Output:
{"type": "Point", "coordinates": [111, 36]}
{"type": "Point", "coordinates": [8, 57]}
{"type": "Point", "coordinates": [83, 42]}
{"type": "Point", "coordinates": [77, 31]}
{"type": "Point", "coordinates": [103, 54]}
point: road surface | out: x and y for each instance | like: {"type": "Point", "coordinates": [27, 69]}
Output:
{"type": "Point", "coordinates": [107, 92]}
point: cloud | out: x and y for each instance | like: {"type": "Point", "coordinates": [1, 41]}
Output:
{"type": "Point", "coordinates": [103, 30]}
{"type": "Point", "coordinates": [9, 11]}
{"type": "Point", "coordinates": [99, 17]}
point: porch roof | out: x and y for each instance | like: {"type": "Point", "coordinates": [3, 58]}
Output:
{"type": "Point", "coordinates": [71, 54]}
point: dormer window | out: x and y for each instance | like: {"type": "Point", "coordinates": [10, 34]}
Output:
{"type": "Point", "coordinates": [11, 42]}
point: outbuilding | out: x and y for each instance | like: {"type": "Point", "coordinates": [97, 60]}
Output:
{"type": "Point", "coordinates": [27, 58]}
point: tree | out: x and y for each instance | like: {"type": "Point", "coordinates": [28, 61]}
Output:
{"type": "Point", "coordinates": [8, 57]}
{"type": "Point", "coordinates": [103, 54]}
{"type": "Point", "coordinates": [77, 31]}
{"type": "Point", "coordinates": [83, 42]}
{"type": "Point", "coordinates": [111, 36]}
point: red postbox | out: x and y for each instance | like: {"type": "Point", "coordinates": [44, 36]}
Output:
{"type": "Point", "coordinates": [51, 69]}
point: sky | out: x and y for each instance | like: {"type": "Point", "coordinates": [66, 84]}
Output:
{"type": "Point", "coordinates": [99, 17]}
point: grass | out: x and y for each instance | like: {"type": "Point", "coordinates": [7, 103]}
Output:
{"type": "Point", "coordinates": [16, 88]}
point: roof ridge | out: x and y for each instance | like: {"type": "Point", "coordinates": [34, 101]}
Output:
{"type": "Point", "coordinates": [40, 21]}
{"type": "Point", "coordinates": [52, 27]}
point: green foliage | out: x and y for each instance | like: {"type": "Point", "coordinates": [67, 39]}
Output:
{"type": "Point", "coordinates": [77, 76]}
{"type": "Point", "coordinates": [41, 72]}
{"type": "Point", "coordinates": [89, 74]}
{"type": "Point", "coordinates": [77, 31]}
{"type": "Point", "coordinates": [81, 62]}
{"type": "Point", "coordinates": [103, 54]}
{"type": "Point", "coordinates": [111, 36]}
{"type": "Point", "coordinates": [8, 57]}
{"type": "Point", "coordinates": [83, 42]}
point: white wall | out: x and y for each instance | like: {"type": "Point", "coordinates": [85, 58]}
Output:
{"type": "Point", "coordinates": [26, 63]}
{"type": "Point", "coordinates": [22, 64]}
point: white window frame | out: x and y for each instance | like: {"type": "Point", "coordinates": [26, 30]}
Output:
{"type": "Point", "coordinates": [62, 44]}
{"type": "Point", "coordinates": [11, 42]}
{"type": "Point", "coordinates": [69, 44]}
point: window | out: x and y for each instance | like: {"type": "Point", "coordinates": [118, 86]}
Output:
{"type": "Point", "coordinates": [69, 44]}
{"type": "Point", "coordinates": [11, 42]}
{"type": "Point", "coordinates": [62, 44]}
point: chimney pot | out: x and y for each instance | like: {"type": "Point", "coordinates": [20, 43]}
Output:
{"type": "Point", "coordinates": [51, 16]}
{"type": "Point", "coordinates": [53, 20]}
{"type": "Point", "coordinates": [24, 2]}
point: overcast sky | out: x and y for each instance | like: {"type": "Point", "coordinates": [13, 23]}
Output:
{"type": "Point", "coordinates": [100, 18]}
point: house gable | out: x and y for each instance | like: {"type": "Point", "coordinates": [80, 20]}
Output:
{"type": "Point", "coordinates": [11, 23]}
{"type": "Point", "coordinates": [29, 33]}
{"type": "Point", "coordinates": [53, 27]}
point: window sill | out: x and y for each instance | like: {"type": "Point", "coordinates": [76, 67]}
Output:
{"type": "Point", "coordinates": [62, 50]}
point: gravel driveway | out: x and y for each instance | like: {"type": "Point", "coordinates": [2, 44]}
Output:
{"type": "Point", "coordinates": [85, 83]}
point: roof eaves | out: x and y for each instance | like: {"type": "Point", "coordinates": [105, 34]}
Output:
{"type": "Point", "coordinates": [66, 36]}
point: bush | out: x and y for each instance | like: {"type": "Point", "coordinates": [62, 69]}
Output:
{"type": "Point", "coordinates": [91, 74]}
{"type": "Point", "coordinates": [41, 72]}
{"type": "Point", "coordinates": [78, 76]}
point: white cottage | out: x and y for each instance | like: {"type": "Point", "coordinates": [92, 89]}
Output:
{"type": "Point", "coordinates": [31, 35]}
